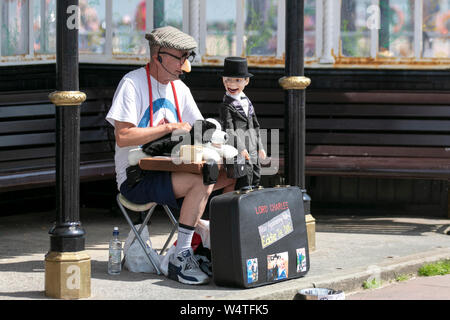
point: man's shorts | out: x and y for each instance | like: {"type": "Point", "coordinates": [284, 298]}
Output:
{"type": "Point", "coordinates": [156, 186]}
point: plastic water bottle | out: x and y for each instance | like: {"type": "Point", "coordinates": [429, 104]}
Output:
{"type": "Point", "coordinates": [115, 253]}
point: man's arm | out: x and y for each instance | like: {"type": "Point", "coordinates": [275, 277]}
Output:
{"type": "Point", "coordinates": [127, 134]}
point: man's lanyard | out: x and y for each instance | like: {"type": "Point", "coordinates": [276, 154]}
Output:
{"type": "Point", "coordinates": [147, 68]}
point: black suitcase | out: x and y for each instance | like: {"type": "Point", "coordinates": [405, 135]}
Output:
{"type": "Point", "coordinates": [258, 237]}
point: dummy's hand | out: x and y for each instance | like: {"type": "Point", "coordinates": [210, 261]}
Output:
{"type": "Point", "coordinates": [245, 154]}
{"type": "Point", "coordinates": [185, 126]}
{"type": "Point", "coordinates": [262, 154]}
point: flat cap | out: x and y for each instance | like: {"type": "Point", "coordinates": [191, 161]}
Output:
{"type": "Point", "coordinates": [170, 37]}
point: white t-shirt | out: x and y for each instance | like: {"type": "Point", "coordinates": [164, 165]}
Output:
{"type": "Point", "coordinates": [131, 104]}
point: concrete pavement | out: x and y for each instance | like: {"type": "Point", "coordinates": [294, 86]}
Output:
{"type": "Point", "coordinates": [420, 288]}
{"type": "Point", "coordinates": [349, 251]}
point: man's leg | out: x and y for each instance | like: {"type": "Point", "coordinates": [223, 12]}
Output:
{"type": "Point", "coordinates": [230, 187]}
{"type": "Point", "coordinates": [182, 266]}
{"type": "Point", "coordinates": [195, 193]}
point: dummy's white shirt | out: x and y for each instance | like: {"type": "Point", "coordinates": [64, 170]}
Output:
{"type": "Point", "coordinates": [244, 102]}
{"type": "Point", "coordinates": [131, 104]}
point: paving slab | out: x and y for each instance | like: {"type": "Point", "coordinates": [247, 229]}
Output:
{"type": "Point", "coordinates": [421, 288]}
{"type": "Point", "coordinates": [350, 250]}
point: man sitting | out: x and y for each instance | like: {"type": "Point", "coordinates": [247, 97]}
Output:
{"type": "Point", "coordinates": [149, 103]}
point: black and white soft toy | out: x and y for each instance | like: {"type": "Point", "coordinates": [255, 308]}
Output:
{"type": "Point", "coordinates": [216, 148]}
{"type": "Point", "coordinates": [205, 133]}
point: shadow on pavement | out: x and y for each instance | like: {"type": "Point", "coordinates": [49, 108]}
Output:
{"type": "Point", "coordinates": [379, 225]}
{"type": "Point", "coordinates": [25, 294]}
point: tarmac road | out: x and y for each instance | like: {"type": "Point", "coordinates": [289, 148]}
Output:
{"type": "Point", "coordinates": [420, 288]}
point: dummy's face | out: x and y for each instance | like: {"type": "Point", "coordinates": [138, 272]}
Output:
{"type": "Point", "coordinates": [235, 86]}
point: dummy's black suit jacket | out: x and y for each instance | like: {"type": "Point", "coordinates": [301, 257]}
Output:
{"type": "Point", "coordinates": [233, 117]}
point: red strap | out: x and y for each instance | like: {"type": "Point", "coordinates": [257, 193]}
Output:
{"type": "Point", "coordinates": [176, 100]}
{"type": "Point", "coordinates": [147, 68]}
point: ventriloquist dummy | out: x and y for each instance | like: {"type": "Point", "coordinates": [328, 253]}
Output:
{"type": "Point", "coordinates": [239, 120]}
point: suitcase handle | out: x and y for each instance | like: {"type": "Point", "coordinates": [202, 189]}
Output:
{"type": "Point", "coordinates": [247, 189]}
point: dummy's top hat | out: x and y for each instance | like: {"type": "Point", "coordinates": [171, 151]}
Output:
{"type": "Point", "coordinates": [170, 37]}
{"type": "Point", "coordinates": [236, 67]}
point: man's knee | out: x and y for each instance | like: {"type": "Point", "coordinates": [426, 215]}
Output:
{"type": "Point", "coordinates": [199, 186]}
{"type": "Point", "coordinates": [208, 189]}
{"type": "Point", "coordinates": [183, 183]}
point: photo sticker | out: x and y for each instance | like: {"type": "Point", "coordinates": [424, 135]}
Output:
{"type": "Point", "coordinates": [301, 260]}
{"type": "Point", "coordinates": [252, 270]}
{"type": "Point", "coordinates": [277, 266]}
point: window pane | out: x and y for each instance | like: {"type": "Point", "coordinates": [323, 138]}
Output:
{"type": "Point", "coordinates": [261, 27]}
{"type": "Point", "coordinates": [397, 28]}
{"type": "Point", "coordinates": [14, 29]}
{"type": "Point", "coordinates": [44, 26]}
{"type": "Point", "coordinates": [168, 13]}
{"type": "Point", "coordinates": [310, 28]}
{"type": "Point", "coordinates": [129, 27]}
{"type": "Point", "coordinates": [91, 38]}
{"type": "Point", "coordinates": [220, 28]}
{"type": "Point", "coordinates": [355, 36]}
{"type": "Point", "coordinates": [436, 29]}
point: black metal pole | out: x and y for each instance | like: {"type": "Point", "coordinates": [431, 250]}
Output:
{"type": "Point", "coordinates": [294, 144]}
{"type": "Point", "coordinates": [67, 234]}
{"type": "Point", "coordinates": [295, 83]}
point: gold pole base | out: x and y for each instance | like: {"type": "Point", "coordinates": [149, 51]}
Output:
{"type": "Point", "coordinates": [294, 83]}
{"type": "Point", "coordinates": [68, 275]}
{"type": "Point", "coordinates": [311, 231]}
{"type": "Point", "coordinates": [67, 98]}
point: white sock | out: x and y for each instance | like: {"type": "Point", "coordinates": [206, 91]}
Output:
{"type": "Point", "coordinates": [185, 234]}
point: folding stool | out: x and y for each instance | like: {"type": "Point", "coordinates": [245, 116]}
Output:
{"type": "Point", "coordinates": [142, 208]}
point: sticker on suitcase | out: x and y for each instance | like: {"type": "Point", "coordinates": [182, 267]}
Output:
{"type": "Point", "coordinates": [252, 270]}
{"type": "Point", "coordinates": [277, 266]}
{"type": "Point", "coordinates": [276, 228]}
{"type": "Point", "coordinates": [301, 260]}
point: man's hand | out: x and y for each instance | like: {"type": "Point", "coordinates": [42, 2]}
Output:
{"type": "Point", "coordinates": [127, 134]}
{"type": "Point", "coordinates": [262, 154]}
{"type": "Point", "coordinates": [245, 154]}
{"type": "Point", "coordinates": [185, 126]}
